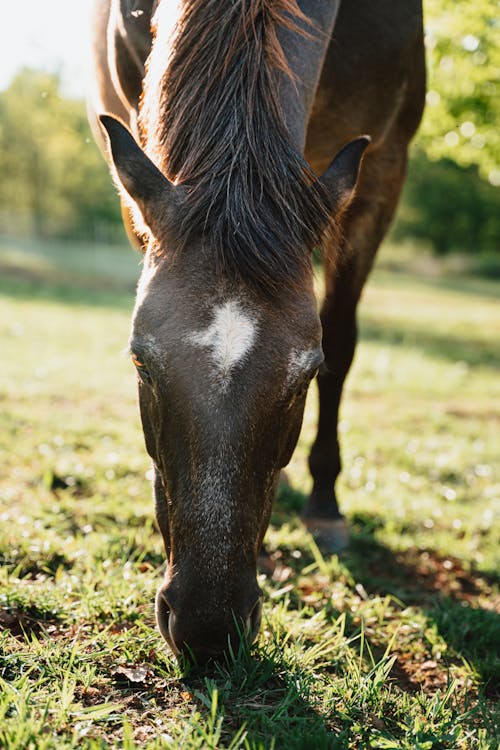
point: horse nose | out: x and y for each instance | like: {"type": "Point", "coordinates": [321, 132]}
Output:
{"type": "Point", "coordinates": [202, 638]}
{"type": "Point", "coordinates": [164, 615]}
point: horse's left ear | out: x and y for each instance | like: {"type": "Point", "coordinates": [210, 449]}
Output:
{"type": "Point", "coordinates": [341, 176]}
{"type": "Point", "coordinates": [138, 177]}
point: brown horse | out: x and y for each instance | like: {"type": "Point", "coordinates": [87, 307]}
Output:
{"type": "Point", "coordinates": [237, 105]}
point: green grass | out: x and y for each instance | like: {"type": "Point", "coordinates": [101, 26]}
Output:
{"type": "Point", "coordinates": [395, 645]}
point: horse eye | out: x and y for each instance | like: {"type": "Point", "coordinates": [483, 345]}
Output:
{"type": "Point", "coordinates": [141, 368]}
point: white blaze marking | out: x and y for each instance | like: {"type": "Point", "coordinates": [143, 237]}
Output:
{"type": "Point", "coordinates": [229, 337]}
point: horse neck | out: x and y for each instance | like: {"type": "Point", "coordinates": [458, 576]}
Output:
{"type": "Point", "coordinates": [305, 55]}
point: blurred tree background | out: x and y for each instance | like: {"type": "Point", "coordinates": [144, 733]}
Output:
{"type": "Point", "coordinates": [55, 183]}
{"type": "Point", "coordinates": [451, 199]}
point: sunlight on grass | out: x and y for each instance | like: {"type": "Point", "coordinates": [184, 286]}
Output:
{"type": "Point", "coordinates": [392, 646]}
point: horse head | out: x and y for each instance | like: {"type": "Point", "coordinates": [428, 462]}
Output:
{"type": "Point", "coordinates": [223, 371]}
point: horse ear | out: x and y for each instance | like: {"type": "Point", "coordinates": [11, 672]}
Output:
{"type": "Point", "coordinates": [137, 175]}
{"type": "Point", "coordinates": [341, 176]}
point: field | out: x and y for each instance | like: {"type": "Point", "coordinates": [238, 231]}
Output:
{"type": "Point", "coordinates": [393, 645]}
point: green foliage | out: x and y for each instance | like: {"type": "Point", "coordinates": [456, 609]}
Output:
{"type": "Point", "coordinates": [451, 198]}
{"type": "Point", "coordinates": [449, 206]}
{"type": "Point", "coordinates": [463, 102]}
{"type": "Point", "coordinates": [54, 181]}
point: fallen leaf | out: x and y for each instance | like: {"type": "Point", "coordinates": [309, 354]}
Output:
{"type": "Point", "coordinates": [136, 674]}
{"type": "Point", "coordinates": [282, 573]}
{"type": "Point", "coordinates": [430, 664]}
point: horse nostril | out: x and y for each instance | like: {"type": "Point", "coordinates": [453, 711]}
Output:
{"type": "Point", "coordinates": [253, 620]}
{"type": "Point", "coordinates": [165, 619]}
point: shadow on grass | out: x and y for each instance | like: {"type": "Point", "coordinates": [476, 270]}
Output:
{"type": "Point", "coordinates": [446, 589]}
{"type": "Point", "coordinates": [271, 699]}
{"type": "Point", "coordinates": [30, 285]}
{"type": "Point", "coordinates": [30, 565]}
{"type": "Point", "coordinates": [449, 346]}
{"type": "Point", "coordinates": [442, 587]}
{"type": "Point", "coordinates": [259, 694]}
{"type": "Point", "coordinates": [467, 283]}
{"type": "Point", "coordinates": [24, 621]}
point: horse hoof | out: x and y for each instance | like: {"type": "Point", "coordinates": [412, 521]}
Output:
{"type": "Point", "coordinates": [330, 534]}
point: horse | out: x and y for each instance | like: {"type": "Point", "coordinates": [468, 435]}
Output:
{"type": "Point", "coordinates": [219, 119]}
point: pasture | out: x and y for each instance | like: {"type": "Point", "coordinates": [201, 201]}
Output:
{"type": "Point", "coordinates": [393, 645]}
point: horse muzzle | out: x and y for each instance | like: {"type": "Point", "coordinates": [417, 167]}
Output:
{"type": "Point", "coordinates": [201, 637]}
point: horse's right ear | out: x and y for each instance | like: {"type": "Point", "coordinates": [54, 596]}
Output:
{"type": "Point", "coordinates": [137, 175]}
{"type": "Point", "coordinates": [341, 176]}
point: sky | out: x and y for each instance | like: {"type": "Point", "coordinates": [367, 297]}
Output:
{"type": "Point", "coordinates": [49, 34]}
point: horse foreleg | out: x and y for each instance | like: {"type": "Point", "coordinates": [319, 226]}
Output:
{"type": "Point", "coordinates": [364, 225]}
{"type": "Point", "coordinates": [322, 515]}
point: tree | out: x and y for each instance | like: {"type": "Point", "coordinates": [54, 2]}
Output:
{"type": "Point", "coordinates": [463, 102]}
{"type": "Point", "coordinates": [54, 181]}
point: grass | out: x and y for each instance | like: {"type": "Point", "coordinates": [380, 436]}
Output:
{"type": "Point", "coordinates": [394, 645]}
